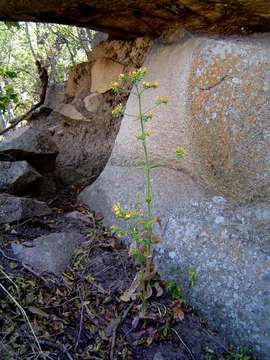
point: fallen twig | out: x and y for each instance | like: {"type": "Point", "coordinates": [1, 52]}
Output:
{"type": "Point", "coordinates": [184, 344]}
{"type": "Point", "coordinates": [118, 321]}
{"type": "Point", "coordinates": [80, 327]}
{"type": "Point", "coordinates": [56, 346]}
{"type": "Point", "coordinates": [7, 257]}
{"type": "Point", "coordinates": [25, 317]}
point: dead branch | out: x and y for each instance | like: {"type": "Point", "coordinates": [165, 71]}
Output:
{"type": "Point", "coordinates": [44, 79]}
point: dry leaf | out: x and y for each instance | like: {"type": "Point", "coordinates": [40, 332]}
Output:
{"type": "Point", "coordinates": [149, 291]}
{"type": "Point", "coordinates": [36, 311]}
{"type": "Point", "coordinates": [99, 216]}
{"type": "Point", "coordinates": [178, 312]}
{"type": "Point", "coordinates": [159, 289]}
{"type": "Point", "coordinates": [133, 292]}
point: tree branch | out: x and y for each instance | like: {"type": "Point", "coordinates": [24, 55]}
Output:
{"type": "Point", "coordinates": [44, 78]}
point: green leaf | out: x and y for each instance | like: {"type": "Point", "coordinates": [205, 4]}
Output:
{"type": "Point", "coordinates": [11, 24]}
{"type": "Point", "coordinates": [118, 231]}
{"type": "Point", "coordinates": [192, 276]}
{"type": "Point", "coordinates": [180, 152]}
{"type": "Point", "coordinates": [174, 289]}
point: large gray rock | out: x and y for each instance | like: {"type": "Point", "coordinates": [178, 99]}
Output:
{"type": "Point", "coordinates": [16, 176]}
{"type": "Point", "coordinates": [32, 145]}
{"type": "Point", "coordinates": [13, 208]}
{"type": "Point", "coordinates": [51, 253]}
{"type": "Point", "coordinates": [215, 202]}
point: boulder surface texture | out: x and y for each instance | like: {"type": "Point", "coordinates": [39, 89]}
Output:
{"type": "Point", "coordinates": [16, 176]}
{"type": "Point", "coordinates": [13, 208]}
{"type": "Point", "coordinates": [214, 203]}
{"type": "Point", "coordinates": [129, 18]}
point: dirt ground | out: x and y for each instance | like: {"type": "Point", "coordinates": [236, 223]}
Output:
{"type": "Point", "coordinates": [80, 315]}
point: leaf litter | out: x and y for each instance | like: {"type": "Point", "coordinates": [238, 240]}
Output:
{"type": "Point", "coordinates": [92, 310]}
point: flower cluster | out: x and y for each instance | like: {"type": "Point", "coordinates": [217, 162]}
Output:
{"type": "Point", "coordinates": [132, 78]}
{"type": "Point", "coordinates": [161, 100]}
{"type": "Point", "coordinates": [118, 110]}
{"type": "Point", "coordinates": [116, 86]}
{"type": "Point", "coordinates": [136, 76]}
{"type": "Point", "coordinates": [150, 85]}
{"type": "Point", "coordinates": [124, 214]}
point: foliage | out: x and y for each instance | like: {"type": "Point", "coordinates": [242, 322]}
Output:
{"type": "Point", "coordinates": [174, 289]}
{"type": "Point", "coordinates": [242, 354]}
{"type": "Point", "coordinates": [192, 276]}
{"type": "Point", "coordinates": [56, 46]}
{"type": "Point", "coordinates": [180, 152]}
{"type": "Point", "coordinates": [8, 96]}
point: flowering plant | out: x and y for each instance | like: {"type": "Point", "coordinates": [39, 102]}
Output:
{"type": "Point", "coordinates": [140, 229]}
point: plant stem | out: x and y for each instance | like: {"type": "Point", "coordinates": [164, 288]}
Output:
{"type": "Point", "coordinates": [148, 195]}
{"type": "Point", "coordinates": [145, 273]}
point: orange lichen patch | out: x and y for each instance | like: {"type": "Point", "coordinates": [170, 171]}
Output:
{"type": "Point", "coordinates": [227, 92]}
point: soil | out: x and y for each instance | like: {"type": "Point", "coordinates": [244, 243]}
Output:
{"type": "Point", "coordinates": [80, 315]}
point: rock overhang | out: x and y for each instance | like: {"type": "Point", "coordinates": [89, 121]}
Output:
{"type": "Point", "coordinates": [127, 19]}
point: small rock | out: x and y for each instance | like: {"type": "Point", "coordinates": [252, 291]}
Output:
{"type": "Point", "coordinates": [92, 102]}
{"type": "Point", "coordinates": [13, 208]}
{"type": "Point", "coordinates": [219, 200]}
{"type": "Point", "coordinates": [76, 215]}
{"type": "Point", "coordinates": [99, 216]}
{"type": "Point", "coordinates": [158, 356]}
{"type": "Point", "coordinates": [51, 253]}
{"type": "Point", "coordinates": [16, 248]}
{"type": "Point", "coordinates": [172, 254]}
{"type": "Point", "coordinates": [16, 176]}
{"type": "Point", "coordinates": [219, 220]}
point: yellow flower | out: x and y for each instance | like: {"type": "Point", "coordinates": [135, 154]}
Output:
{"type": "Point", "coordinates": [161, 100]}
{"type": "Point", "coordinates": [128, 214]}
{"type": "Point", "coordinates": [146, 85]}
{"type": "Point", "coordinates": [121, 77]}
{"type": "Point", "coordinates": [118, 110]}
{"type": "Point", "coordinates": [117, 209]}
